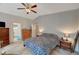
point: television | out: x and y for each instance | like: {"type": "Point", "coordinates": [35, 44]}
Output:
{"type": "Point", "coordinates": [2, 24]}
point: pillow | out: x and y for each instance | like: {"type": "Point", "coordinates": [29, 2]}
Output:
{"type": "Point", "coordinates": [47, 35]}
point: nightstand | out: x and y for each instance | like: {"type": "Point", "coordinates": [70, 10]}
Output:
{"type": "Point", "coordinates": [66, 45]}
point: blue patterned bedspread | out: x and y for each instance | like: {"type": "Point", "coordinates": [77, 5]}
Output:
{"type": "Point", "coordinates": [40, 45]}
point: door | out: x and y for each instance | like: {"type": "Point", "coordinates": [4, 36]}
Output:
{"type": "Point", "coordinates": [17, 35]}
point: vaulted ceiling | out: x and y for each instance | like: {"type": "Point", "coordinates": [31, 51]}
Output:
{"type": "Point", "coordinates": [42, 9]}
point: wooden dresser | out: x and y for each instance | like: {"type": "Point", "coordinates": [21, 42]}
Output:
{"type": "Point", "coordinates": [4, 37]}
{"type": "Point", "coordinates": [26, 33]}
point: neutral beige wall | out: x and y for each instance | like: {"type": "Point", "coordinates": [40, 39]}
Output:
{"type": "Point", "coordinates": [59, 23]}
{"type": "Point", "coordinates": [9, 19]}
{"type": "Point", "coordinates": [78, 19]}
{"type": "Point", "coordinates": [77, 22]}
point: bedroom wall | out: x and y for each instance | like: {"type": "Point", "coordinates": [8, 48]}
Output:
{"type": "Point", "coordinates": [78, 19]}
{"type": "Point", "coordinates": [9, 19]}
{"type": "Point", "coordinates": [59, 23]}
{"type": "Point", "coordinates": [77, 22]}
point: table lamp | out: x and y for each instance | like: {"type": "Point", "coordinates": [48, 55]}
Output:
{"type": "Point", "coordinates": [66, 36]}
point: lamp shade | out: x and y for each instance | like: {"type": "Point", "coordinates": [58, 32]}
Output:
{"type": "Point", "coordinates": [66, 36]}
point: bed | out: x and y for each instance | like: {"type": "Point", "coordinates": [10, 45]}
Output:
{"type": "Point", "coordinates": [43, 44]}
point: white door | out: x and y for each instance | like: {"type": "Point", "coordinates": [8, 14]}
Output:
{"type": "Point", "coordinates": [17, 31]}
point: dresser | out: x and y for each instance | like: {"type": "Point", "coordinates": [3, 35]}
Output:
{"type": "Point", "coordinates": [26, 33]}
{"type": "Point", "coordinates": [4, 37]}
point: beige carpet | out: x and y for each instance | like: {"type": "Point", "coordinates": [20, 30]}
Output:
{"type": "Point", "coordinates": [60, 51]}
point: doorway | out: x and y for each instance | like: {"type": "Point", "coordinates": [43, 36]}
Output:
{"type": "Point", "coordinates": [17, 35]}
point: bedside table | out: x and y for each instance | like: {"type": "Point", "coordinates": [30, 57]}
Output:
{"type": "Point", "coordinates": [66, 45]}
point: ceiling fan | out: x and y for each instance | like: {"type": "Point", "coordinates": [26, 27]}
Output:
{"type": "Point", "coordinates": [28, 7]}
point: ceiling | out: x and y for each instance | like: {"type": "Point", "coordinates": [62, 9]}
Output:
{"type": "Point", "coordinates": [42, 9]}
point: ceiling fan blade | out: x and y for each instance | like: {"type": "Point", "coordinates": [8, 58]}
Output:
{"type": "Point", "coordinates": [20, 8]}
{"type": "Point", "coordinates": [34, 6]}
{"type": "Point", "coordinates": [33, 11]}
{"type": "Point", "coordinates": [23, 4]}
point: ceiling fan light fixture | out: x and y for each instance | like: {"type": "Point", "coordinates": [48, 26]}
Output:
{"type": "Point", "coordinates": [27, 10]}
